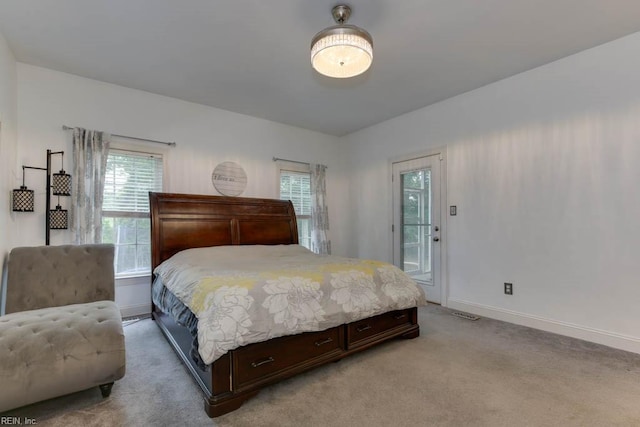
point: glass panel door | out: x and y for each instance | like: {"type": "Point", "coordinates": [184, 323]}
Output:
{"type": "Point", "coordinates": [416, 221]}
{"type": "Point", "coordinates": [415, 251]}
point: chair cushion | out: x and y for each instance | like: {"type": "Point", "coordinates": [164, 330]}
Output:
{"type": "Point", "coordinates": [55, 351]}
{"type": "Point", "coordinates": [53, 276]}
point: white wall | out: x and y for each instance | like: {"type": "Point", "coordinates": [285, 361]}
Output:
{"type": "Point", "coordinates": [8, 123]}
{"type": "Point", "coordinates": [544, 168]}
{"type": "Point", "coordinates": [205, 137]}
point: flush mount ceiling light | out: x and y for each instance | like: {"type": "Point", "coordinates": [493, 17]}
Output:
{"type": "Point", "coordinates": [342, 51]}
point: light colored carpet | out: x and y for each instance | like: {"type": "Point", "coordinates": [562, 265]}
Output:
{"type": "Point", "coordinates": [457, 373]}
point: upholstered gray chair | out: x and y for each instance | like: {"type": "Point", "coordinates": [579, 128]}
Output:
{"type": "Point", "coordinates": [60, 330]}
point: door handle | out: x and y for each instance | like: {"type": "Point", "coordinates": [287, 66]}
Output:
{"type": "Point", "coordinates": [436, 239]}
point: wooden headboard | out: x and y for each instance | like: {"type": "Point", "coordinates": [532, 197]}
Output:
{"type": "Point", "coordinates": [183, 221]}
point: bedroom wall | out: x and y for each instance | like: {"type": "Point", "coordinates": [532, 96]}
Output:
{"type": "Point", "coordinates": [205, 137]}
{"type": "Point", "coordinates": [8, 122]}
{"type": "Point", "coordinates": [544, 168]}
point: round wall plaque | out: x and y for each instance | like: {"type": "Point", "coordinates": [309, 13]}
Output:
{"type": "Point", "coordinates": [229, 179]}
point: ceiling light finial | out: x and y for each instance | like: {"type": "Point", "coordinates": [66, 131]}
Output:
{"type": "Point", "coordinates": [342, 51]}
{"type": "Point", "coordinates": [341, 14]}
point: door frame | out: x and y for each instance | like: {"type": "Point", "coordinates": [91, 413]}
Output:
{"type": "Point", "coordinates": [444, 213]}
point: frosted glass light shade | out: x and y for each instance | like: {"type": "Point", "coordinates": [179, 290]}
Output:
{"type": "Point", "coordinates": [342, 51]}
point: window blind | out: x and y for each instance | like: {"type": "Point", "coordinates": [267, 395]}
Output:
{"type": "Point", "coordinates": [296, 186]}
{"type": "Point", "coordinates": [128, 179]}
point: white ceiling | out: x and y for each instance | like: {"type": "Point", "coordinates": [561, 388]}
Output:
{"type": "Point", "coordinates": [252, 56]}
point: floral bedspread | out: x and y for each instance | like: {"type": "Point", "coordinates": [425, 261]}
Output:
{"type": "Point", "coordinates": [247, 294]}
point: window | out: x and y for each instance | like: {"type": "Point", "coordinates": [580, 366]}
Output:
{"type": "Point", "coordinates": [296, 186]}
{"type": "Point", "coordinates": [129, 178]}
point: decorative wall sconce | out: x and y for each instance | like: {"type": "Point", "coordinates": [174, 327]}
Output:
{"type": "Point", "coordinates": [58, 184]}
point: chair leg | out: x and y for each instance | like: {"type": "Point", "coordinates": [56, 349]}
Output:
{"type": "Point", "coordinates": [106, 389]}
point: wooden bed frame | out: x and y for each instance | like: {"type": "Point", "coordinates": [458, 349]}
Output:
{"type": "Point", "coordinates": [182, 221]}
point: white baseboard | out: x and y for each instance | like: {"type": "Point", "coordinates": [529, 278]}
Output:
{"type": "Point", "coordinates": [135, 310]}
{"type": "Point", "coordinates": [611, 339]}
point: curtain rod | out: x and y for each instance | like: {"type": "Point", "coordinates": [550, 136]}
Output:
{"type": "Point", "coordinates": [171, 144]}
{"type": "Point", "coordinates": [275, 159]}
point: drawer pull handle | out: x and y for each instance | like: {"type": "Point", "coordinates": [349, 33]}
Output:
{"type": "Point", "coordinates": [363, 328]}
{"type": "Point", "coordinates": [399, 316]}
{"type": "Point", "coordinates": [325, 341]}
{"type": "Point", "coordinates": [269, 359]}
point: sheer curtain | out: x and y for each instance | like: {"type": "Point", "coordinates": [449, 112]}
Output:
{"type": "Point", "coordinates": [320, 242]}
{"type": "Point", "coordinates": [90, 150]}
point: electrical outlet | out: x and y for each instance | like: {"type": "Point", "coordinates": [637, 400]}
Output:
{"type": "Point", "coordinates": [508, 288]}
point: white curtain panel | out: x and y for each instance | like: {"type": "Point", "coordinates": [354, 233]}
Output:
{"type": "Point", "coordinates": [90, 150]}
{"type": "Point", "coordinates": [320, 242]}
